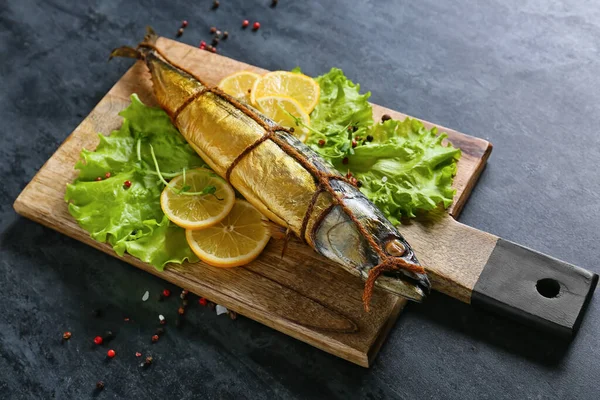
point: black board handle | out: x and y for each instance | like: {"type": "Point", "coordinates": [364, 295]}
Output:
{"type": "Point", "coordinates": [534, 288]}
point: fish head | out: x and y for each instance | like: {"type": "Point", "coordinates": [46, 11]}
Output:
{"type": "Point", "coordinates": [339, 238]}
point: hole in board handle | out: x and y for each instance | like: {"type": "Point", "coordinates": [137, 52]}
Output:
{"type": "Point", "coordinates": [548, 287]}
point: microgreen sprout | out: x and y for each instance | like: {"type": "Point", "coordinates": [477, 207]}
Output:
{"type": "Point", "coordinates": [185, 190]}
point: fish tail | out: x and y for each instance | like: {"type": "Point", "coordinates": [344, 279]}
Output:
{"type": "Point", "coordinates": [129, 52]}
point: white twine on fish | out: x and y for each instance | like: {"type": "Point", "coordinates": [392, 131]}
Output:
{"type": "Point", "coordinates": [220, 309]}
{"type": "Point", "coordinates": [146, 296]}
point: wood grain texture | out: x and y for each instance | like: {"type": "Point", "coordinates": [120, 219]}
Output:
{"type": "Point", "coordinates": [302, 295]}
{"type": "Point", "coordinates": [453, 254]}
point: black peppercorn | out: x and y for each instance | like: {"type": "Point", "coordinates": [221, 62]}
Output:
{"type": "Point", "coordinates": [225, 35]}
{"type": "Point", "coordinates": [99, 385]}
{"type": "Point", "coordinates": [179, 32]}
{"type": "Point", "coordinates": [108, 336]}
{"type": "Point", "coordinates": [213, 29]}
{"type": "Point", "coordinates": [216, 4]}
{"type": "Point", "coordinates": [369, 138]}
{"type": "Point", "coordinates": [385, 117]}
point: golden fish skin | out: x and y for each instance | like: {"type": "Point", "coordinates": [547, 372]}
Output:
{"type": "Point", "coordinates": [281, 177]}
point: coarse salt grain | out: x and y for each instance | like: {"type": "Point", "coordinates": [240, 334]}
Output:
{"type": "Point", "coordinates": [161, 317]}
{"type": "Point", "coordinates": [146, 296]}
{"type": "Point", "coordinates": [220, 310]}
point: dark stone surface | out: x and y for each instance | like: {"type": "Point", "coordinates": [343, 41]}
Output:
{"type": "Point", "coordinates": [522, 74]}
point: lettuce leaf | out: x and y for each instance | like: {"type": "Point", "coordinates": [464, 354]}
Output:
{"type": "Point", "coordinates": [130, 219]}
{"type": "Point", "coordinates": [405, 168]}
{"type": "Point", "coordinates": [341, 114]}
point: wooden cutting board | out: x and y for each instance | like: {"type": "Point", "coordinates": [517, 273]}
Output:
{"type": "Point", "coordinates": [302, 295]}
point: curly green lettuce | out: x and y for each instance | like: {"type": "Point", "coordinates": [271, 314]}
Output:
{"type": "Point", "coordinates": [403, 167]}
{"type": "Point", "coordinates": [130, 218]}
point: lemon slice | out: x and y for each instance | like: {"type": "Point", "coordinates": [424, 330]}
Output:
{"type": "Point", "coordinates": [236, 240]}
{"type": "Point", "coordinates": [197, 211]}
{"type": "Point", "coordinates": [300, 87]}
{"type": "Point", "coordinates": [279, 108]}
{"type": "Point", "coordinates": [239, 84]}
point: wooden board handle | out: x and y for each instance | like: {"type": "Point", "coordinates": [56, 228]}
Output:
{"type": "Point", "coordinates": [503, 277]}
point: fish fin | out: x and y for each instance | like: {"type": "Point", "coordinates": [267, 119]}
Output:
{"type": "Point", "coordinates": [288, 234]}
{"type": "Point", "coordinates": [151, 36]}
{"type": "Point", "coordinates": [125, 51]}
{"type": "Point", "coordinates": [129, 52]}
{"type": "Point", "coordinates": [277, 232]}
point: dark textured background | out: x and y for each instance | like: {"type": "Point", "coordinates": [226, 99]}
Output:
{"type": "Point", "coordinates": [523, 74]}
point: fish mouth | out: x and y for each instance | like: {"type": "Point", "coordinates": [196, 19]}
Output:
{"type": "Point", "coordinates": [410, 285]}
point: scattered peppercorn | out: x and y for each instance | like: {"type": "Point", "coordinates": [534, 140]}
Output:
{"type": "Point", "coordinates": [385, 117]}
{"type": "Point", "coordinates": [216, 4]}
{"type": "Point", "coordinates": [138, 354]}
{"type": "Point", "coordinates": [107, 175]}
{"type": "Point", "coordinates": [214, 50]}
{"type": "Point", "coordinates": [256, 26]}
{"type": "Point", "coordinates": [99, 178]}
{"type": "Point", "coordinates": [99, 385]}
{"type": "Point", "coordinates": [354, 143]}
{"type": "Point", "coordinates": [181, 310]}
{"type": "Point", "coordinates": [126, 319]}
{"type": "Point", "coordinates": [359, 183]}
{"type": "Point", "coordinates": [369, 138]}
{"type": "Point", "coordinates": [160, 331]}
{"type": "Point", "coordinates": [245, 23]}
{"type": "Point", "coordinates": [209, 48]}
{"type": "Point", "coordinates": [225, 35]}
{"type": "Point", "coordinates": [202, 43]}
{"type": "Point", "coordinates": [322, 142]}
{"type": "Point", "coordinates": [108, 336]}
{"type": "Point", "coordinates": [184, 23]}
{"type": "Point", "coordinates": [213, 29]}
{"type": "Point", "coordinates": [154, 338]}
{"type": "Point", "coordinates": [232, 314]}
{"type": "Point", "coordinates": [179, 32]}
{"type": "Point", "coordinates": [202, 301]}
{"type": "Point", "coordinates": [345, 160]}
{"type": "Point", "coordinates": [184, 293]}
{"type": "Point", "coordinates": [98, 340]}
{"type": "Point", "coordinates": [127, 184]}
{"type": "Point", "coordinates": [292, 129]}
{"type": "Point", "coordinates": [357, 138]}
{"type": "Point", "coordinates": [274, 3]}
{"type": "Point", "coordinates": [166, 292]}
{"type": "Point", "coordinates": [67, 335]}
{"type": "Point", "coordinates": [215, 42]}
{"type": "Point", "coordinates": [148, 360]}
{"type": "Point", "coordinates": [111, 353]}
{"type": "Point", "coordinates": [185, 303]}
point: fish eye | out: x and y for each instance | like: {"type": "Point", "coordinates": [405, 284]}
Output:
{"type": "Point", "coordinates": [395, 248]}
